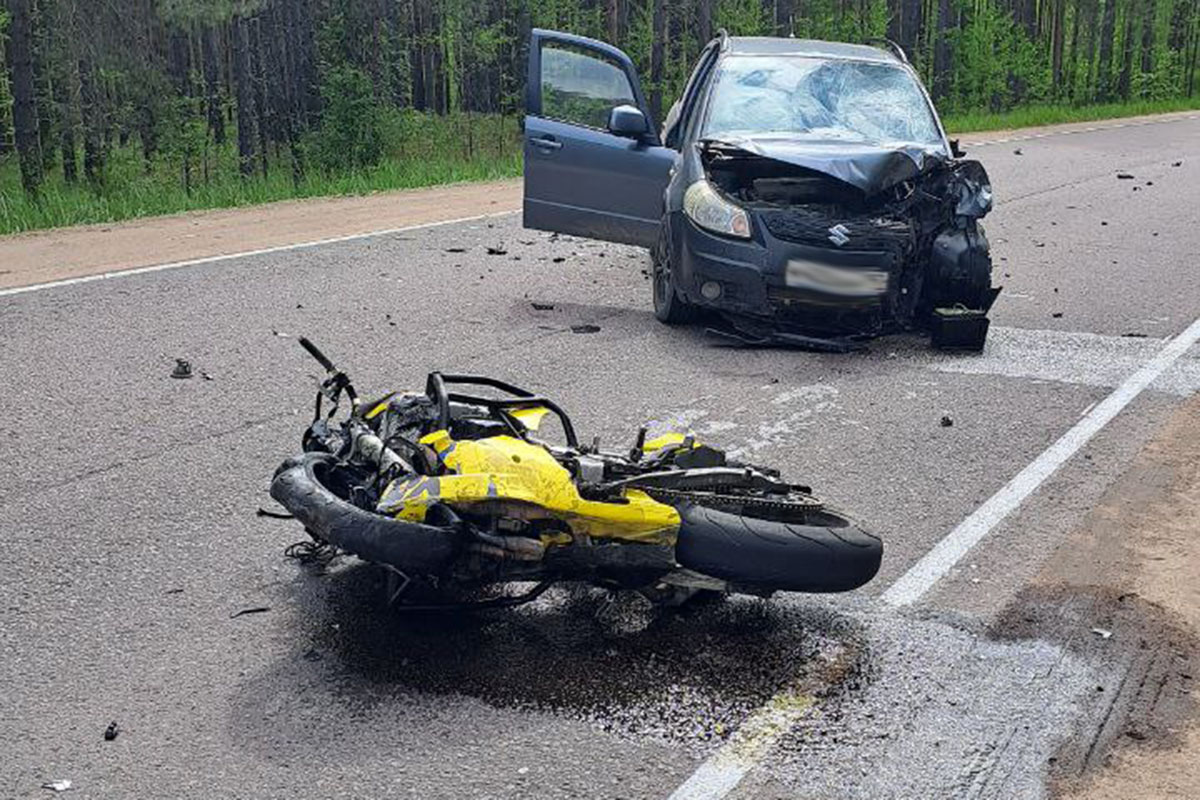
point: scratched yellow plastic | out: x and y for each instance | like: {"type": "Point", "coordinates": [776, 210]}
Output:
{"type": "Point", "coordinates": [504, 469]}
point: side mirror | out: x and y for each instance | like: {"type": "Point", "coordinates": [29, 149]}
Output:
{"type": "Point", "coordinates": [955, 150]}
{"type": "Point", "coordinates": [627, 121]}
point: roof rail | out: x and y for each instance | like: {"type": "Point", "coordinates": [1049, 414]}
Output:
{"type": "Point", "coordinates": [723, 35]}
{"type": "Point", "coordinates": [896, 49]}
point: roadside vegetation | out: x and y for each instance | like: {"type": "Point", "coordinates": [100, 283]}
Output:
{"type": "Point", "coordinates": [130, 108]}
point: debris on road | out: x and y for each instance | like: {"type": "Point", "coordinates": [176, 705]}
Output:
{"type": "Point", "coordinates": [111, 731]}
{"type": "Point", "coordinates": [1177, 164]}
{"type": "Point", "coordinates": [947, 421]}
{"type": "Point", "coordinates": [497, 251]}
{"type": "Point", "coordinates": [255, 610]}
{"type": "Point", "coordinates": [1124, 176]}
{"type": "Point", "coordinates": [585, 329]}
{"type": "Point", "coordinates": [1057, 314]}
{"type": "Point", "coordinates": [58, 786]}
{"type": "Point", "coordinates": [456, 249]}
{"type": "Point", "coordinates": [558, 259]}
{"type": "Point", "coordinates": [1018, 152]}
{"type": "Point", "coordinates": [1103, 633]}
{"type": "Point", "coordinates": [182, 369]}
{"type": "Point", "coordinates": [542, 306]}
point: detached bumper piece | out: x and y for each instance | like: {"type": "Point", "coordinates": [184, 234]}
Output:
{"type": "Point", "coordinates": [796, 341]}
{"type": "Point", "coordinates": [961, 329]}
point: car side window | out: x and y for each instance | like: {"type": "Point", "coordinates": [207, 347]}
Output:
{"type": "Point", "coordinates": [581, 86]}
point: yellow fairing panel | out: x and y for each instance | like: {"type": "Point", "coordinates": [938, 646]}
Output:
{"type": "Point", "coordinates": [531, 484]}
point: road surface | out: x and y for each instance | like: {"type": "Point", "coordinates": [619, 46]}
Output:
{"type": "Point", "coordinates": [1048, 658]}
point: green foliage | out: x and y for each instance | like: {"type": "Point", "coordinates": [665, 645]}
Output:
{"type": "Point", "coordinates": [996, 65]}
{"type": "Point", "coordinates": [350, 136]}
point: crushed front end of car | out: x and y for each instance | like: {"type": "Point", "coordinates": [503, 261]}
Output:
{"type": "Point", "coordinates": [830, 224]}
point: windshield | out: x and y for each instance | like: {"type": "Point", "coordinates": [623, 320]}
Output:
{"type": "Point", "coordinates": [819, 99]}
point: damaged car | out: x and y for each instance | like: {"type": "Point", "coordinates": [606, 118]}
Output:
{"type": "Point", "coordinates": [805, 191]}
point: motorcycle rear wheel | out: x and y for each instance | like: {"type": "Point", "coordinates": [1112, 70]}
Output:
{"type": "Point", "coordinates": [794, 548]}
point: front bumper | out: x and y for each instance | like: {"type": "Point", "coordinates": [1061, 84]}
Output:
{"type": "Point", "coordinates": [752, 280]}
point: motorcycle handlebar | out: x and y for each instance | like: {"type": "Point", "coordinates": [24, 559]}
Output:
{"type": "Point", "coordinates": [318, 355]}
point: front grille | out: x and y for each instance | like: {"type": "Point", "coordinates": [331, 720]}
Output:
{"type": "Point", "coordinates": [814, 225]}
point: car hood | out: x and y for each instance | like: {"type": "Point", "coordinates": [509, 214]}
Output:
{"type": "Point", "coordinates": [868, 167]}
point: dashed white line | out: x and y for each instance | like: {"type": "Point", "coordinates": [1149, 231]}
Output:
{"type": "Point", "coordinates": [721, 773]}
{"type": "Point", "coordinates": [195, 262]}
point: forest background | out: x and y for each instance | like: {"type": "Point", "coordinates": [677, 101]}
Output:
{"type": "Point", "coordinates": [111, 109]}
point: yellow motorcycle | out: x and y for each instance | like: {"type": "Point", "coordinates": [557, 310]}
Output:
{"type": "Point", "coordinates": [446, 488]}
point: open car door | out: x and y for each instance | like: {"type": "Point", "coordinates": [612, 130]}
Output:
{"type": "Point", "coordinates": [594, 165]}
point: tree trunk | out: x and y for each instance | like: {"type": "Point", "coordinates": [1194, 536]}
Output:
{"type": "Point", "coordinates": [1148, 13]}
{"type": "Point", "coordinates": [612, 17]}
{"type": "Point", "coordinates": [1108, 26]}
{"type": "Point", "coordinates": [657, 59]}
{"type": "Point", "coordinates": [1123, 83]}
{"type": "Point", "coordinates": [244, 96]}
{"type": "Point", "coordinates": [941, 51]}
{"type": "Point", "coordinates": [783, 17]}
{"type": "Point", "coordinates": [212, 85]}
{"type": "Point", "coordinates": [25, 118]}
{"type": "Point", "coordinates": [93, 123]}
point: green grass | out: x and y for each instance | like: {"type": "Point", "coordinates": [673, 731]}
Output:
{"type": "Point", "coordinates": [422, 151]}
{"type": "Point", "coordinates": [435, 153]}
{"type": "Point", "coordinates": [1032, 116]}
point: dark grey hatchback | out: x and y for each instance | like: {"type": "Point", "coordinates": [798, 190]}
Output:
{"type": "Point", "coordinates": [804, 190]}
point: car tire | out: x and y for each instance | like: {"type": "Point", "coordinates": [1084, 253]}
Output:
{"type": "Point", "coordinates": [302, 486]}
{"type": "Point", "coordinates": [669, 307]}
{"type": "Point", "coordinates": [821, 551]}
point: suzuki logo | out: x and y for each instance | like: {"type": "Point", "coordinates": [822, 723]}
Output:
{"type": "Point", "coordinates": [839, 234]}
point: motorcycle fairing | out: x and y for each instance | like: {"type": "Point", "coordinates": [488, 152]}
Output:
{"type": "Point", "coordinates": [528, 483]}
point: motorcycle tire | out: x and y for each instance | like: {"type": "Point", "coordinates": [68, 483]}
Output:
{"type": "Point", "coordinates": [814, 551]}
{"type": "Point", "coordinates": [307, 487]}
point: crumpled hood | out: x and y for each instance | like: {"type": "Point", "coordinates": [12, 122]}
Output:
{"type": "Point", "coordinates": [869, 167]}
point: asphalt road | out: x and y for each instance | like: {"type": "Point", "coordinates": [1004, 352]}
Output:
{"type": "Point", "coordinates": [128, 535]}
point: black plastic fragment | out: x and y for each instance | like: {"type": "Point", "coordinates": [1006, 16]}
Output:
{"type": "Point", "coordinates": [111, 731]}
{"type": "Point", "coordinates": [182, 369]}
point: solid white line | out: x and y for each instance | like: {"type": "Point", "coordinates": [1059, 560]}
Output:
{"type": "Point", "coordinates": [721, 772]}
{"type": "Point", "coordinates": [195, 262]}
{"type": "Point", "coordinates": [950, 550]}
{"type": "Point", "coordinates": [1092, 129]}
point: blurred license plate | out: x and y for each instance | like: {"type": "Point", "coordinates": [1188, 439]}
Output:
{"type": "Point", "coordinates": [853, 282]}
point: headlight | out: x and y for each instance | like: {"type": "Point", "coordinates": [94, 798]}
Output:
{"type": "Point", "coordinates": [712, 212]}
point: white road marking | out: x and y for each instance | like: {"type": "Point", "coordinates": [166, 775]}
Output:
{"type": "Point", "coordinates": [721, 772]}
{"type": "Point", "coordinates": [946, 554]}
{"type": "Point", "coordinates": [1091, 129]}
{"type": "Point", "coordinates": [195, 262]}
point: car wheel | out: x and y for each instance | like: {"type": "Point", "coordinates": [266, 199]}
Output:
{"type": "Point", "coordinates": [669, 307]}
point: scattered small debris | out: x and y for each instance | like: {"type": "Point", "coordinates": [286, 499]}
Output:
{"type": "Point", "coordinates": [205, 375]}
{"type": "Point", "coordinates": [1102, 222]}
{"type": "Point", "coordinates": [585, 329]}
{"type": "Point", "coordinates": [58, 786]}
{"type": "Point", "coordinates": [456, 249]}
{"type": "Point", "coordinates": [176, 590]}
{"type": "Point", "coordinates": [299, 305]}
{"type": "Point", "coordinates": [281, 334]}
{"type": "Point", "coordinates": [523, 771]}
{"type": "Point", "coordinates": [542, 306]}
{"type": "Point", "coordinates": [1177, 164]}
{"type": "Point", "coordinates": [1124, 176]}
{"type": "Point", "coordinates": [182, 369]}
{"type": "Point", "coordinates": [1149, 183]}
{"type": "Point", "coordinates": [1057, 314]}
{"type": "Point", "coordinates": [558, 259]}
{"type": "Point", "coordinates": [1137, 188]}
{"type": "Point", "coordinates": [111, 731]}
{"type": "Point", "coordinates": [255, 610]}
{"type": "Point", "coordinates": [1103, 633]}
{"type": "Point", "coordinates": [1018, 152]}
{"type": "Point", "coordinates": [947, 421]}
{"type": "Point", "coordinates": [497, 251]}
{"type": "Point", "coordinates": [1134, 335]}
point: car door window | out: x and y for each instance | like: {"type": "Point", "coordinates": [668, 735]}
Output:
{"type": "Point", "coordinates": [581, 87]}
